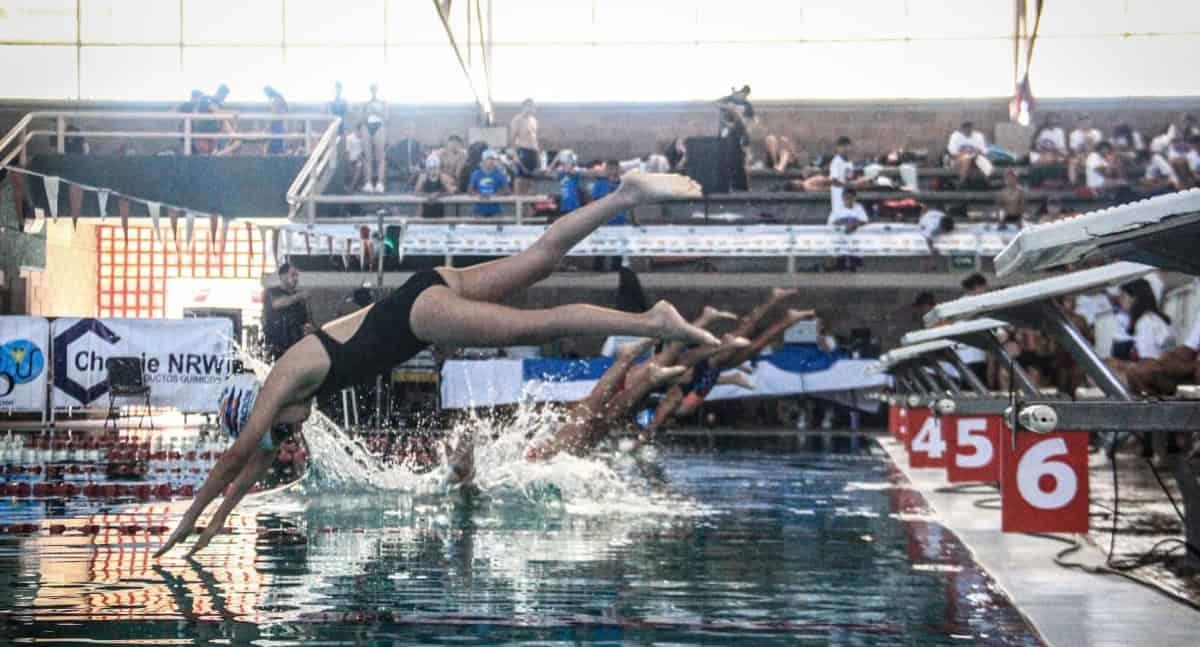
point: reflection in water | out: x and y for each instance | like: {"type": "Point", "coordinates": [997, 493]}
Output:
{"type": "Point", "coordinates": [832, 548]}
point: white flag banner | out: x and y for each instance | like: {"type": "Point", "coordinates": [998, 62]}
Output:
{"type": "Point", "coordinates": [185, 361]}
{"type": "Point", "coordinates": [189, 225]}
{"type": "Point", "coordinates": [153, 208]}
{"type": "Point", "coordinates": [37, 224]}
{"type": "Point", "coordinates": [102, 200]}
{"type": "Point", "coordinates": [51, 184]}
{"type": "Point", "coordinates": [24, 363]}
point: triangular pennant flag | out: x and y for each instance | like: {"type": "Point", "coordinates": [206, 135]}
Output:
{"type": "Point", "coordinates": [123, 209]}
{"type": "Point", "coordinates": [51, 183]}
{"type": "Point", "coordinates": [102, 200]}
{"type": "Point", "coordinates": [153, 209]}
{"type": "Point", "coordinates": [346, 254]}
{"type": "Point", "coordinates": [213, 223]}
{"type": "Point", "coordinates": [75, 196]}
{"type": "Point", "coordinates": [189, 226]}
{"type": "Point", "coordinates": [329, 241]}
{"type": "Point", "coordinates": [173, 216]}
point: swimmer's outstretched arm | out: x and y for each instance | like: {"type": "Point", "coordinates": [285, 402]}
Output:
{"type": "Point", "coordinates": [250, 474]}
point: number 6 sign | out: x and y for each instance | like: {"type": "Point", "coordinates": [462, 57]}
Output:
{"type": "Point", "coordinates": [1044, 485]}
{"type": "Point", "coordinates": [973, 448]}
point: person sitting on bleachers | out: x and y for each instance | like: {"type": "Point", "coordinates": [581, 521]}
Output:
{"type": "Point", "coordinates": [1127, 141]}
{"type": "Point", "coordinates": [1178, 156]}
{"type": "Point", "coordinates": [1011, 201]}
{"type": "Point", "coordinates": [1160, 177]}
{"type": "Point", "coordinates": [434, 182]}
{"type": "Point", "coordinates": [934, 223]}
{"type": "Point", "coordinates": [851, 215]}
{"type": "Point", "coordinates": [1049, 145]}
{"type": "Point", "coordinates": [966, 147]}
{"type": "Point", "coordinates": [1102, 172]}
{"type": "Point", "coordinates": [778, 153]}
{"type": "Point", "coordinates": [1149, 327]}
{"type": "Point", "coordinates": [1083, 140]}
{"type": "Point", "coordinates": [1163, 376]}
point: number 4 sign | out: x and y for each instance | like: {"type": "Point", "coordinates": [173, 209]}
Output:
{"type": "Point", "coordinates": [926, 446]}
{"type": "Point", "coordinates": [973, 443]}
{"type": "Point", "coordinates": [1044, 485]}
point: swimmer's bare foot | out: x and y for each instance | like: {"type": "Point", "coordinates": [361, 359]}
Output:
{"type": "Point", "coordinates": [739, 378]}
{"type": "Point", "coordinates": [780, 294]}
{"type": "Point", "coordinates": [642, 188]}
{"type": "Point", "coordinates": [658, 375]}
{"type": "Point", "coordinates": [729, 341]}
{"type": "Point", "coordinates": [794, 315]}
{"type": "Point", "coordinates": [671, 326]}
{"type": "Point", "coordinates": [711, 314]}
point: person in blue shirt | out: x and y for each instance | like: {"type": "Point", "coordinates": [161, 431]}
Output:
{"type": "Point", "coordinates": [570, 182]}
{"type": "Point", "coordinates": [488, 180]}
{"type": "Point", "coordinates": [608, 183]}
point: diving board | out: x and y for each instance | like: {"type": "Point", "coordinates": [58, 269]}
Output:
{"type": "Point", "coordinates": [955, 332]}
{"type": "Point", "coordinates": [1163, 231]}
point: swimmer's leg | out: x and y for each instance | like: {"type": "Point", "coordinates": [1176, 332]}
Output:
{"type": "Point", "coordinates": [749, 323]}
{"type": "Point", "coordinates": [497, 279]}
{"type": "Point", "coordinates": [662, 413]}
{"type": "Point", "coordinates": [710, 315]}
{"type": "Point", "coordinates": [439, 316]}
{"type": "Point", "coordinates": [766, 338]}
{"type": "Point", "coordinates": [293, 379]}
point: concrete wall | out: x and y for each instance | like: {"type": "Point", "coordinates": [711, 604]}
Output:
{"type": "Point", "coordinates": [624, 130]}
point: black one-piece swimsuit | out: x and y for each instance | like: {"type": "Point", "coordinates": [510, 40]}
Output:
{"type": "Point", "coordinates": [383, 340]}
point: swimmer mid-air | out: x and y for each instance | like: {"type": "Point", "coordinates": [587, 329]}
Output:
{"type": "Point", "coordinates": [447, 306]}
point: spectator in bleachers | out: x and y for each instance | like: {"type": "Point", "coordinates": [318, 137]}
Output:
{"type": "Point", "coordinates": [1101, 170]}
{"type": "Point", "coordinates": [474, 161]}
{"type": "Point", "coordinates": [841, 170]}
{"type": "Point", "coordinates": [966, 147]}
{"type": "Point", "coordinates": [740, 99]}
{"type": "Point", "coordinates": [851, 215]}
{"type": "Point", "coordinates": [1127, 141]}
{"type": "Point", "coordinates": [1163, 376]}
{"type": "Point", "coordinates": [1179, 157]}
{"type": "Point", "coordinates": [203, 145]}
{"type": "Point", "coordinates": [1160, 176]}
{"type": "Point", "coordinates": [778, 153]}
{"type": "Point", "coordinates": [279, 106]}
{"type": "Point", "coordinates": [570, 181]}
{"type": "Point", "coordinates": [1082, 142]}
{"type": "Point", "coordinates": [1011, 201]}
{"type": "Point", "coordinates": [1148, 325]}
{"type": "Point", "coordinates": [676, 154]}
{"type": "Point", "coordinates": [1049, 145]}
{"type": "Point", "coordinates": [934, 223]}
{"type": "Point", "coordinates": [735, 138]}
{"type": "Point", "coordinates": [339, 108]}
{"type": "Point", "coordinates": [218, 98]}
{"type": "Point", "coordinates": [453, 156]}
{"type": "Point", "coordinates": [356, 155]}
{"type": "Point", "coordinates": [974, 284]}
{"type": "Point", "coordinates": [190, 104]}
{"type": "Point", "coordinates": [523, 136]}
{"type": "Point", "coordinates": [488, 180]}
{"type": "Point", "coordinates": [375, 115]}
{"type": "Point", "coordinates": [921, 306]}
{"type": "Point", "coordinates": [813, 182]}
{"type": "Point", "coordinates": [434, 181]}
{"type": "Point", "coordinates": [1051, 210]}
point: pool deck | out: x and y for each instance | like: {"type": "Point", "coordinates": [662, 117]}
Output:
{"type": "Point", "coordinates": [1068, 607]}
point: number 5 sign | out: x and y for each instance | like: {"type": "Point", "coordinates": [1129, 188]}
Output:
{"type": "Point", "coordinates": [1044, 485]}
{"type": "Point", "coordinates": [974, 447]}
{"type": "Point", "coordinates": [925, 444]}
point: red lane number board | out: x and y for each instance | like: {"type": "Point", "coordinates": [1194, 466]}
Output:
{"type": "Point", "coordinates": [1044, 484]}
{"type": "Point", "coordinates": [973, 444]}
{"type": "Point", "coordinates": [925, 444]}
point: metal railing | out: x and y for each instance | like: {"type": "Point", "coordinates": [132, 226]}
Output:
{"type": "Point", "coordinates": [16, 144]}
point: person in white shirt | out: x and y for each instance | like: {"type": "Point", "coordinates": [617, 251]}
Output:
{"type": "Point", "coordinates": [851, 215]}
{"type": "Point", "coordinates": [965, 146]}
{"type": "Point", "coordinates": [1100, 167]}
{"type": "Point", "coordinates": [1127, 141]}
{"type": "Point", "coordinates": [1180, 155]}
{"type": "Point", "coordinates": [934, 223]}
{"type": "Point", "coordinates": [375, 114]}
{"type": "Point", "coordinates": [1085, 136]}
{"type": "Point", "coordinates": [1149, 327]}
{"type": "Point", "coordinates": [1049, 145]}
{"type": "Point", "coordinates": [1163, 376]}
{"type": "Point", "coordinates": [1160, 176]}
{"type": "Point", "coordinates": [841, 169]}
{"type": "Point", "coordinates": [1083, 140]}
{"type": "Point", "coordinates": [355, 153]}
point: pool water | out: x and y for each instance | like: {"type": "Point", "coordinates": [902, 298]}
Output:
{"type": "Point", "coordinates": [711, 548]}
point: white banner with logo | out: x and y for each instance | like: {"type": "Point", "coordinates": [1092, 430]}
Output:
{"type": "Point", "coordinates": [184, 360]}
{"type": "Point", "coordinates": [24, 363]}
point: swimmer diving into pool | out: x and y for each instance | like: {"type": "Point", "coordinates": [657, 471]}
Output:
{"type": "Point", "coordinates": [447, 306]}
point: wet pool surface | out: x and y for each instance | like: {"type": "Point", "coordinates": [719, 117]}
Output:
{"type": "Point", "coordinates": [759, 548]}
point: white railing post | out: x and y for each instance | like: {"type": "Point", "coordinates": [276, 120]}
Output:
{"type": "Point", "coordinates": [307, 137]}
{"type": "Point", "coordinates": [517, 209]}
{"type": "Point", "coordinates": [187, 135]}
{"type": "Point", "coordinates": [61, 127]}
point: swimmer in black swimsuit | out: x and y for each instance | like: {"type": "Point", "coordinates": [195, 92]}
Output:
{"type": "Point", "coordinates": [453, 307]}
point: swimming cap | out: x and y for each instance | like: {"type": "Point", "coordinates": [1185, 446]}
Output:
{"type": "Point", "coordinates": [489, 154]}
{"type": "Point", "coordinates": [567, 156]}
{"type": "Point", "coordinates": [236, 403]}
{"type": "Point", "coordinates": [433, 163]}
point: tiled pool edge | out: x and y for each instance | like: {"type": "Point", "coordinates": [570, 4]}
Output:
{"type": "Point", "coordinates": [1065, 607]}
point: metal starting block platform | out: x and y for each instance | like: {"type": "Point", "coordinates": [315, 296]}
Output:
{"type": "Point", "coordinates": [1163, 231]}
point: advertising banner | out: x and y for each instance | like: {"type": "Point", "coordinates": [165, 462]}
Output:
{"type": "Point", "coordinates": [24, 363]}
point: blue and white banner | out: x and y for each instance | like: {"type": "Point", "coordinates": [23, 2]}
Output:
{"type": "Point", "coordinates": [185, 361]}
{"type": "Point", "coordinates": [24, 363]}
{"type": "Point", "coordinates": [793, 370]}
